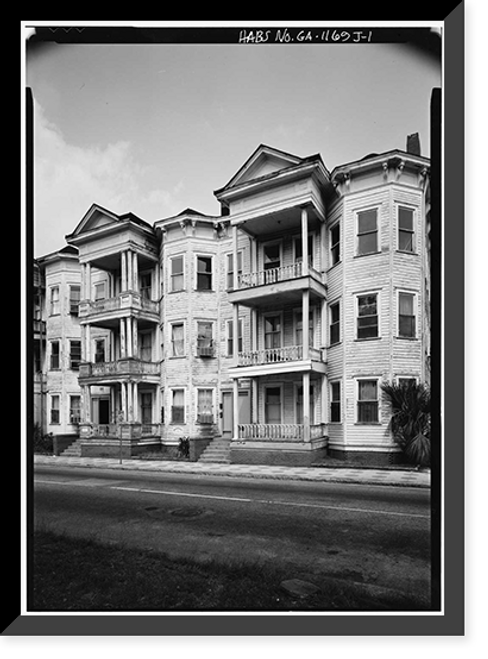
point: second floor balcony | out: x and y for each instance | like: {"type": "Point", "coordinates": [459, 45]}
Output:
{"type": "Point", "coordinates": [260, 287]}
{"type": "Point", "coordinates": [287, 359]}
{"type": "Point", "coordinates": [107, 372]}
{"type": "Point", "coordinates": [105, 310]}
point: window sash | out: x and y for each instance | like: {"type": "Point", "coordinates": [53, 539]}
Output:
{"type": "Point", "coordinates": [367, 232]}
{"type": "Point", "coordinates": [406, 315]}
{"type": "Point", "coordinates": [75, 409]}
{"type": "Point", "coordinates": [54, 307]}
{"type": "Point", "coordinates": [74, 299]}
{"type": "Point", "coordinates": [335, 244]}
{"type": "Point", "coordinates": [178, 340]}
{"type": "Point", "coordinates": [272, 332]}
{"type": "Point", "coordinates": [334, 328]}
{"type": "Point", "coordinates": [204, 273]}
{"type": "Point", "coordinates": [55, 409]}
{"type": "Point", "coordinates": [75, 354]}
{"type": "Point", "coordinates": [335, 402]}
{"type": "Point", "coordinates": [146, 286]}
{"type": "Point", "coordinates": [99, 351]}
{"type": "Point", "coordinates": [146, 347]}
{"type": "Point", "coordinates": [367, 402]}
{"type": "Point", "coordinates": [55, 356]}
{"type": "Point", "coordinates": [178, 406]}
{"type": "Point", "coordinates": [230, 337]}
{"type": "Point", "coordinates": [367, 319]}
{"type": "Point", "coordinates": [271, 256]}
{"type": "Point", "coordinates": [177, 273]}
{"type": "Point", "coordinates": [205, 405]}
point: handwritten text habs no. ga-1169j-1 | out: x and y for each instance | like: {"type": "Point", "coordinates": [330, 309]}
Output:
{"type": "Point", "coordinates": [305, 36]}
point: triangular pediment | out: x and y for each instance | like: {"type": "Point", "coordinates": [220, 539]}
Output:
{"type": "Point", "coordinates": [263, 162]}
{"type": "Point", "coordinates": [95, 218]}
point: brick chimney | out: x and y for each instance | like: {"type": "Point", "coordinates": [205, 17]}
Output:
{"type": "Point", "coordinates": [413, 144]}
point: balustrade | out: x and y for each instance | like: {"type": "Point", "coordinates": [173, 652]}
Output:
{"type": "Point", "coordinates": [275, 355]}
{"type": "Point", "coordinates": [279, 431]}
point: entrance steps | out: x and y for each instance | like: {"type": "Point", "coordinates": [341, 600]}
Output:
{"type": "Point", "coordinates": [217, 451]}
{"type": "Point", "coordinates": [73, 450]}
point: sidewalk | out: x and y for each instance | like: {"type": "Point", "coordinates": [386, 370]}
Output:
{"type": "Point", "coordinates": [346, 474]}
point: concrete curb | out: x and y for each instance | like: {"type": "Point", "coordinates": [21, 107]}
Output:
{"type": "Point", "coordinates": [365, 476]}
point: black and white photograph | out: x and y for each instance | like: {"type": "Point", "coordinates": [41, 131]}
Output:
{"type": "Point", "coordinates": [234, 342]}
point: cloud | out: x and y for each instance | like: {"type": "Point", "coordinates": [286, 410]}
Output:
{"type": "Point", "coordinates": [69, 178]}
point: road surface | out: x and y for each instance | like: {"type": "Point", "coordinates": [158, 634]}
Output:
{"type": "Point", "coordinates": [370, 534]}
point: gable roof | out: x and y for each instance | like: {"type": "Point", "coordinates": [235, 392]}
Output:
{"type": "Point", "coordinates": [97, 217]}
{"type": "Point", "coordinates": [263, 161]}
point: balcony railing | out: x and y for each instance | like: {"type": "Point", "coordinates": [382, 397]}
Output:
{"type": "Point", "coordinates": [129, 366]}
{"type": "Point", "coordinates": [126, 300]}
{"type": "Point", "coordinates": [274, 275]}
{"type": "Point", "coordinates": [279, 431]}
{"type": "Point", "coordinates": [277, 355]}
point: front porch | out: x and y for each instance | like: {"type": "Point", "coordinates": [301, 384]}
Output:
{"type": "Point", "coordinates": [118, 439]}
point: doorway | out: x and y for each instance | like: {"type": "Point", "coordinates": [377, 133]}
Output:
{"type": "Point", "coordinates": [228, 411]}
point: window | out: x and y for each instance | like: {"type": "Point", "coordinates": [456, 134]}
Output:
{"type": "Point", "coordinates": [54, 301]}
{"type": "Point", "coordinates": [335, 244]}
{"type": "Point", "coordinates": [299, 328]}
{"type": "Point", "coordinates": [405, 229]}
{"type": "Point", "coordinates": [272, 332]}
{"type": "Point", "coordinates": [99, 351]}
{"type": "Point", "coordinates": [406, 315]}
{"type": "Point", "coordinates": [178, 406]}
{"type": "Point", "coordinates": [146, 285]}
{"type": "Point", "coordinates": [271, 256]}
{"type": "Point", "coordinates": [204, 339]}
{"type": "Point", "coordinates": [367, 320]}
{"type": "Point", "coordinates": [230, 269]}
{"type": "Point", "coordinates": [367, 232]}
{"type": "Point", "coordinates": [407, 381]}
{"type": "Point", "coordinates": [335, 323]}
{"type": "Point", "coordinates": [74, 355]}
{"type": "Point", "coordinates": [177, 273]}
{"type": "Point", "coordinates": [299, 405]}
{"type": "Point", "coordinates": [145, 346]}
{"type": "Point", "coordinates": [178, 340]}
{"type": "Point", "coordinates": [55, 364]}
{"type": "Point", "coordinates": [146, 408]}
{"type": "Point", "coordinates": [205, 406]}
{"type": "Point", "coordinates": [367, 410]}
{"type": "Point", "coordinates": [230, 337]}
{"type": "Point", "coordinates": [272, 405]}
{"type": "Point", "coordinates": [204, 273]}
{"type": "Point", "coordinates": [100, 291]}
{"type": "Point", "coordinates": [74, 299]}
{"type": "Point", "coordinates": [54, 409]}
{"type": "Point", "coordinates": [299, 250]}
{"type": "Point", "coordinates": [74, 409]}
{"type": "Point", "coordinates": [335, 402]}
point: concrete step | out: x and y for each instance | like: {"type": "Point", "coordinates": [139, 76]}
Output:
{"type": "Point", "coordinates": [216, 451]}
{"type": "Point", "coordinates": [73, 450]}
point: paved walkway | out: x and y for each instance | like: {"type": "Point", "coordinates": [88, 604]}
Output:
{"type": "Point", "coordinates": [346, 474]}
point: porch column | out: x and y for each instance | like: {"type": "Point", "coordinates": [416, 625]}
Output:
{"type": "Point", "coordinates": [254, 255]}
{"type": "Point", "coordinates": [87, 404]}
{"type": "Point", "coordinates": [305, 322]}
{"type": "Point", "coordinates": [83, 343]}
{"type": "Point", "coordinates": [235, 330]}
{"type": "Point", "coordinates": [135, 272]}
{"type": "Point", "coordinates": [255, 400]}
{"type": "Point", "coordinates": [234, 257]}
{"type": "Point", "coordinates": [324, 417]}
{"type": "Point", "coordinates": [306, 406]}
{"type": "Point", "coordinates": [123, 386]}
{"type": "Point", "coordinates": [82, 287]}
{"type": "Point", "coordinates": [135, 341]}
{"type": "Point", "coordinates": [88, 281]}
{"type": "Point", "coordinates": [235, 401]}
{"type": "Point", "coordinates": [88, 343]}
{"type": "Point", "coordinates": [112, 404]}
{"type": "Point", "coordinates": [136, 402]}
{"type": "Point", "coordinates": [304, 241]}
{"type": "Point", "coordinates": [323, 248]}
{"type": "Point", "coordinates": [128, 322]}
{"type": "Point", "coordinates": [130, 282]}
{"type": "Point", "coordinates": [254, 329]}
{"type": "Point", "coordinates": [122, 338]}
{"type": "Point", "coordinates": [123, 273]}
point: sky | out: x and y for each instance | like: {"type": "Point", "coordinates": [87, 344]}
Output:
{"type": "Point", "coordinates": [154, 129]}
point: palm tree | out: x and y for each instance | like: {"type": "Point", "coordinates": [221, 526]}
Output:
{"type": "Point", "coordinates": [410, 421]}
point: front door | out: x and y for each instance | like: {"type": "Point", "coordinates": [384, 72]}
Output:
{"type": "Point", "coordinates": [228, 411]}
{"type": "Point", "coordinates": [103, 411]}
